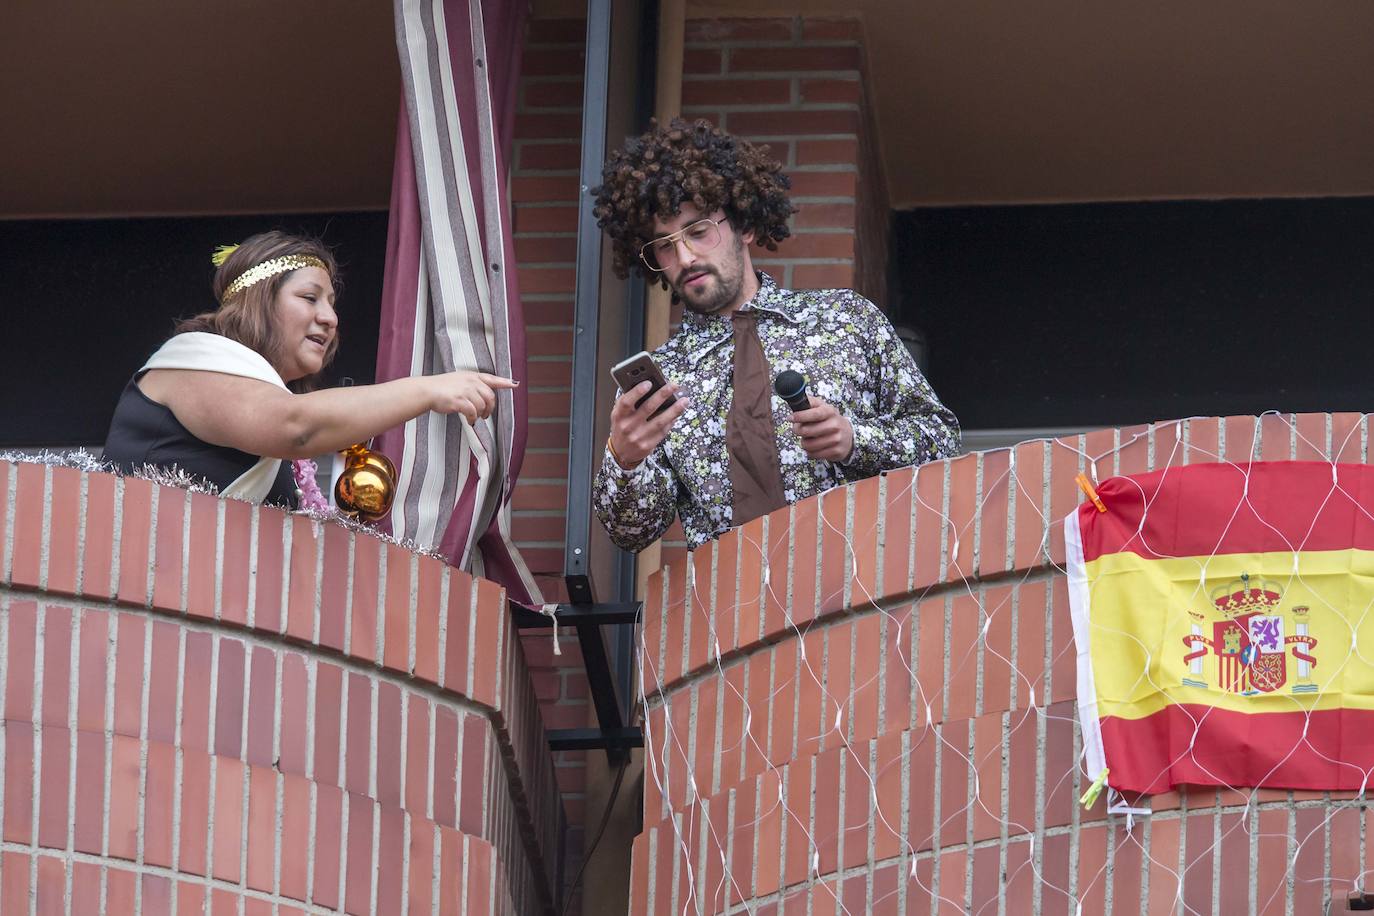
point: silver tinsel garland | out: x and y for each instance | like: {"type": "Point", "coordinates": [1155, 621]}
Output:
{"type": "Point", "coordinates": [82, 460]}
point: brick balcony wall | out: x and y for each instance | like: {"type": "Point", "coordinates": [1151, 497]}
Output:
{"type": "Point", "coordinates": [797, 765]}
{"type": "Point", "coordinates": [214, 707]}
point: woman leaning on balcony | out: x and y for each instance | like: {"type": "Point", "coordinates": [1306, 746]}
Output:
{"type": "Point", "coordinates": [230, 397]}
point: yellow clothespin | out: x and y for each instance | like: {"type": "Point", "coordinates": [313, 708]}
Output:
{"type": "Point", "coordinates": [1089, 798]}
{"type": "Point", "coordinates": [1086, 486]}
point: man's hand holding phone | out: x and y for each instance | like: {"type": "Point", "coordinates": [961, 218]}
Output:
{"type": "Point", "coordinates": [647, 408]}
{"type": "Point", "coordinates": [635, 429]}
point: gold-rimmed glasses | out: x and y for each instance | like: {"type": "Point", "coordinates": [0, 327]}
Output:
{"type": "Point", "coordinates": [661, 253]}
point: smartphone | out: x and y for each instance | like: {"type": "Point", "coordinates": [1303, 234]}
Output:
{"type": "Point", "coordinates": [637, 369]}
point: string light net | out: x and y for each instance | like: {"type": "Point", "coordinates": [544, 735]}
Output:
{"type": "Point", "coordinates": [867, 703]}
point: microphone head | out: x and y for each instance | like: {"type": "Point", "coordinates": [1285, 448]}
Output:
{"type": "Point", "coordinates": [789, 384]}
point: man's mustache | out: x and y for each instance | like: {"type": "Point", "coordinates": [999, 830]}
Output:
{"type": "Point", "coordinates": [699, 272]}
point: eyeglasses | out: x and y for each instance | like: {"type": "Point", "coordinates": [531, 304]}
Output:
{"type": "Point", "coordinates": [700, 237]}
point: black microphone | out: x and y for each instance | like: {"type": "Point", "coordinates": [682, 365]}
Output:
{"type": "Point", "coordinates": [791, 387]}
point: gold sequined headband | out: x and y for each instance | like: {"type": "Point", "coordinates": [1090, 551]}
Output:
{"type": "Point", "coordinates": [260, 272]}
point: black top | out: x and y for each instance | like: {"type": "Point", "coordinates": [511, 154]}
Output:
{"type": "Point", "coordinates": [143, 431]}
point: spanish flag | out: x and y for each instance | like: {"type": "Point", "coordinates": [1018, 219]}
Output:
{"type": "Point", "coordinates": [1224, 623]}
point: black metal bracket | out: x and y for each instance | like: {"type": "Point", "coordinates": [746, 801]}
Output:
{"type": "Point", "coordinates": [574, 614]}
{"type": "Point", "coordinates": [591, 739]}
{"type": "Point", "coordinates": [615, 735]}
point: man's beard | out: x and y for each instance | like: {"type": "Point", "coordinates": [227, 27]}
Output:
{"type": "Point", "coordinates": [723, 294]}
{"type": "Point", "coordinates": [719, 297]}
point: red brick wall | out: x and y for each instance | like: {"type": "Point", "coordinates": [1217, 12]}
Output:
{"type": "Point", "coordinates": [212, 704]}
{"type": "Point", "coordinates": [548, 131]}
{"type": "Point", "coordinates": [796, 85]}
{"type": "Point", "coordinates": [544, 192]}
{"type": "Point", "coordinates": [867, 700]}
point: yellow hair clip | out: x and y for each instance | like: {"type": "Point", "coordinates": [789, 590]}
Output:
{"type": "Point", "coordinates": [222, 254]}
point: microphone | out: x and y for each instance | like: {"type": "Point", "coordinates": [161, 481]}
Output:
{"type": "Point", "coordinates": [791, 387]}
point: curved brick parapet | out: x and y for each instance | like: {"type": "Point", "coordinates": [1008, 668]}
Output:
{"type": "Point", "coordinates": [865, 703]}
{"type": "Point", "coordinates": [210, 705]}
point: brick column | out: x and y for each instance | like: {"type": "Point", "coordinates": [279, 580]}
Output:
{"type": "Point", "coordinates": [210, 705]}
{"type": "Point", "coordinates": [867, 701]}
{"type": "Point", "coordinates": [548, 130]}
{"type": "Point", "coordinates": [544, 192]}
{"type": "Point", "coordinates": [797, 85]}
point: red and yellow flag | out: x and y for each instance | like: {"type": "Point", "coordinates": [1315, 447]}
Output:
{"type": "Point", "coordinates": [1224, 622]}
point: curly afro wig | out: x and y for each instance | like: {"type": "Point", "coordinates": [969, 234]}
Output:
{"type": "Point", "coordinates": [688, 161]}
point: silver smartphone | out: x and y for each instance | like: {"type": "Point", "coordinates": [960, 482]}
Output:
{"type": "Point", "coordinates": [638, 369]}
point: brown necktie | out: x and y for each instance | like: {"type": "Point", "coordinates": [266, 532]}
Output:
{"type": "Point", "coordinates": [755, 476]}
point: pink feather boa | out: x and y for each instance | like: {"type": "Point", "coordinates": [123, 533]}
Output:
{"type": "Point", "coordinates": [310, 497]}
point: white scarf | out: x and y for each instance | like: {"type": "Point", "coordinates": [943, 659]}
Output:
{"type": "Point", "coordinates": [205, 352]}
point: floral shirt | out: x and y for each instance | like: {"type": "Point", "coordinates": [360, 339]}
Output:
{"type": "Point", "coordinates": [851, 358]}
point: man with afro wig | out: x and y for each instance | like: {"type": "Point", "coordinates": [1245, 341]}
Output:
{"type": "Point", "coordinates": [682, 204]}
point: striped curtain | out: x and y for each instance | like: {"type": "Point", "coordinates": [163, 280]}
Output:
{"type": "Point", "coordinates": [449, 298]}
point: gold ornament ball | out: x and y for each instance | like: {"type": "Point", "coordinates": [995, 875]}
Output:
{"type": "Point", "coordinates": [367, 486]}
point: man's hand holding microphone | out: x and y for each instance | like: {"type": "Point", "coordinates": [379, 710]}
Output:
{"type": "Point", "coordinates": [643, 414]}
{"type": "Point", "coordinates": [824, 432]}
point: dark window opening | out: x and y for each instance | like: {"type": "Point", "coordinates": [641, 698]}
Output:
{"type": "Point", "coordinates": [85, 302]}
{"type": "Point", "coordinates": [1114, 314]}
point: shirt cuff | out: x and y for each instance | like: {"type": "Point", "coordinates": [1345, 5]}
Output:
{"type": "Point", "coordinates": [862, 459]}
{"type": "Point", "coordinates": [614, 472]}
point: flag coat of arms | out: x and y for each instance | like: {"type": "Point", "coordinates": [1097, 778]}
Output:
{"type": "Point", "coordinates": [1223, 620]}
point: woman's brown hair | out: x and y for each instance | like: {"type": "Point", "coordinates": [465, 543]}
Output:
{"type": "Point", "coordinates": [247, 316]}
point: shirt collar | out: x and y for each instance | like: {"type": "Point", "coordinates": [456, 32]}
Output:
{"type": "Point", "coordinates": [770, 298]}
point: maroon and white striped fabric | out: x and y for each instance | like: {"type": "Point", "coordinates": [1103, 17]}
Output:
{"type": "Point", "coordinates": [449, 298]}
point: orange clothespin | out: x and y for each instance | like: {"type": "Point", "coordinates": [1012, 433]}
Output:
{"type": "Point", "coordinates": [1086, 486]}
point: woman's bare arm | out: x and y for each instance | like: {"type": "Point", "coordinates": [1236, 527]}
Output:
{"type": "Point", "coordinates": [262, 419]}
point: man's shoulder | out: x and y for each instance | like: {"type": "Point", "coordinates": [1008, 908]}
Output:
{"type": "Point", "coordinates": [831, 304]}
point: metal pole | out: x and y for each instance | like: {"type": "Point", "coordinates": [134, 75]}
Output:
{"type": "Point", "coordinates": [581, 448]}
